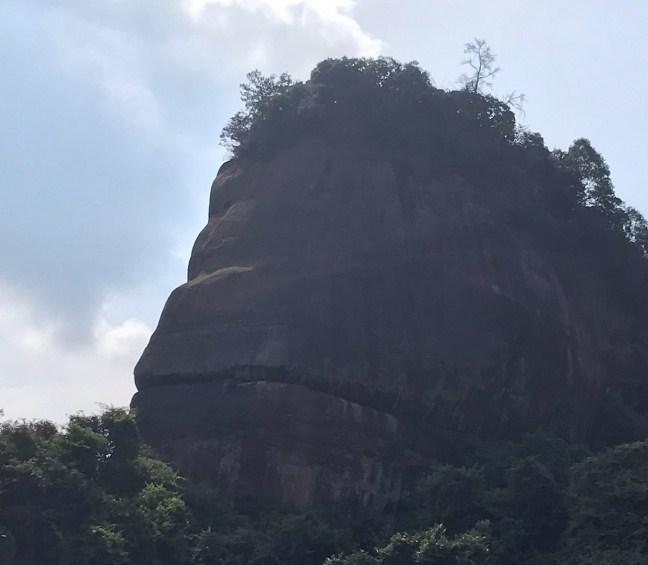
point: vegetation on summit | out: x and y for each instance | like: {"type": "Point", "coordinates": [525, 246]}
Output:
{"type": "Point", "coordinates": [394, 107]}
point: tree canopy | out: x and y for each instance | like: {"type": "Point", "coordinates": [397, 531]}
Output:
{"type": "Point", "coordinates": [93, 494]}
{"type": "Point", "coordinates": [380, 97]}
{"type": "Point", "coordinates": [394, 109]}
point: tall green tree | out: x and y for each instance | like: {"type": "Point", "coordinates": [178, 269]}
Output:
{"type": "Point", "coordinates": [260, 96]}
{"type": "Point", "coordinates": [636, 229]}
{"type": "Point", "coordinates": [594, 175]}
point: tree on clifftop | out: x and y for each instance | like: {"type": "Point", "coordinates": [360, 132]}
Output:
{"type": "Point", "coordinates": [597, 189]}
{"type": "Point", "coordinates": [260, 96]}
{"type": "Point", "coordinates": [481, 61]}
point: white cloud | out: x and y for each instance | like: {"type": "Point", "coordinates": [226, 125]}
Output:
{"type": "Point", "coordinates": [114, 110]}
{"type": "Point", "coordinates": [123, 341]}
{"type": "Point", "coordinates": [19, 327]}
{"type": "Point", "coordinates": [130, 55]}
{"type": "Point", "coordinates": [41, 376]}
{"type": "Point", "coordinates": [111, 61]}
{"type": "Point", "coordinates": [329, 21]}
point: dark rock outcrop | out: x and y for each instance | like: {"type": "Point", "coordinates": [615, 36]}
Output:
{"type": "Point", "coordinates": [279, 442]}
{"type": "Point", "coordinates": [344, 313]}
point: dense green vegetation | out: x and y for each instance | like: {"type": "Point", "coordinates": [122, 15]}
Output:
{"type": "Point", "coordinates": [394, 109]}
{"type": "Point", "coordinates": [91, 493]}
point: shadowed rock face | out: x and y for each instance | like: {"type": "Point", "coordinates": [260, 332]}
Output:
{"type": "Point", "coordinates": [341, 310]}
{"type": "Point", "coordinates": [278, 442]}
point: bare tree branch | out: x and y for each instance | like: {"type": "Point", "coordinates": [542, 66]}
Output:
{"type": "Point", "coordinates": [482, 62]}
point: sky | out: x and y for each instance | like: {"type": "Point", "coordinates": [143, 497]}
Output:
{"type": "Point", "coordinates": [110, 114]}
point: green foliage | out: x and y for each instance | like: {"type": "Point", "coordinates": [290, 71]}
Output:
{"type": "Point", "coordinates": [596, 188]}
{"type": "Point", "coordinates": [92, 494]}
{"type": "Point", "coordinates": [636, 229]}
{"type": "Point", "coordinates": [106, 545]}
{"type": "Point", "coordinates": [390, 104]}
{"type": "Point", "coordinates": [452, 495]}
{"type": "Point", "coordinates": [520, 489]}
{"type": "Point", "coordinates": [89, 494]}
{"type": "Point", "coordinates": [356, 558]}
{"type": "Point", "coordinates": [266, 101]}
{"type": "Point", "coordinates": [276, 540]}
{"type": "Point", "coordinates": [595, 191]}
{"type": "Point", "coordinates": [540, 501]}
{"type": "Point", "coordinates": [609, 493]}
{"type": "Point", "coordinates": [537, 501]}
{"type": "Point", "coordinates": [431, 546]}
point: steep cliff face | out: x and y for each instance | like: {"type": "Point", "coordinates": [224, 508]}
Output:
{"type": "Point", "coordinates": [344, 312]}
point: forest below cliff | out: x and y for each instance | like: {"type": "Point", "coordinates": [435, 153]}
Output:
{"type": "Point", "coordinates": [93, 494]}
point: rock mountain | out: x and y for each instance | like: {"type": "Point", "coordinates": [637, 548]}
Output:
{"type": "Point", "coordinates": [352, 312]}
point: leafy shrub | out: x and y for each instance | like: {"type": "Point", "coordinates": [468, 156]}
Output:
{"type": "Point", "coordinates": [428, 547]}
